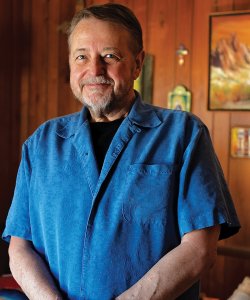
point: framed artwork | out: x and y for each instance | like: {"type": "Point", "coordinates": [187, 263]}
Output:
{"type": "Point", "coordinates": [179, 98]}
{"type": "Point", "coordinates": [240, 142]}
{"type": "Point", "coordinates": [229, 61]}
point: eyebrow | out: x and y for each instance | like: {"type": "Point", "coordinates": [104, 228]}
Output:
{"type": "Point", "coordinates": [104, 49]}
{"type": "Point", "coordinates": [111, 48]}
{"type": "Point", "coordinates": [80, 50]}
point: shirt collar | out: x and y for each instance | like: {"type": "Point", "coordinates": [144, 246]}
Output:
{"type": "Point", "coordinates": [141, 114]}
{"type": "Point", "coordinates": [69, 125]}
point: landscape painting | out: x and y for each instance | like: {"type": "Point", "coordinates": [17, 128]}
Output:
{"type": "Point", "coordinates": [229, 62]}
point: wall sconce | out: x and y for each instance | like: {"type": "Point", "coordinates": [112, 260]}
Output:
{"type": "Point", "coordinates": [181, 52]}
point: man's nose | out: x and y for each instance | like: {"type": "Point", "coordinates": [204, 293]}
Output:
{"type": "Point", "coordinates": [97, 66]}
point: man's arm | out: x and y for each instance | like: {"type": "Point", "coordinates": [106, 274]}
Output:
{"type": "Point", "coordinates": [179, 269]}
{"type": "Point", "coordinates": [30, 271]}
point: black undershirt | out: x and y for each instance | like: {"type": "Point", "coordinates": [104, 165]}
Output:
{"type": "Point", "coordinates": [102, 134]}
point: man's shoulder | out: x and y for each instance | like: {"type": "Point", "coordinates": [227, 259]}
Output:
{"type": "Point", "coordinates": [56, 126]}
{"type": "Point", "coordinates": [166, 114]}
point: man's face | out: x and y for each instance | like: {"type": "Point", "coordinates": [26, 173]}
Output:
{"type": "Point", "coordinates": [103, 66]}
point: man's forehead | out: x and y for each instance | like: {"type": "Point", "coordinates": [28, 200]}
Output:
{"type": "Point", "coordinates": [98, 32]}
{"type": "Point", "coordinates": [90, 21]}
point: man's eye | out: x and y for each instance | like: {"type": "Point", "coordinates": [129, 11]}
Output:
{"type": "Point", "coordinates": [111, 58]}
{"type": "Point", "coordinates": [80, 57]}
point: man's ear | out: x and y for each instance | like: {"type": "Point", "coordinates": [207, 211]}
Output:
{"type": "Point", "coordinates": [139, 63]}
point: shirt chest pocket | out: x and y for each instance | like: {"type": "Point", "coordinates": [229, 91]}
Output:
{"type": "Point", "coordinates": [149, 193]}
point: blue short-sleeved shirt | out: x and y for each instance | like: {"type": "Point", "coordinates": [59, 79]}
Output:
{"type": "Point", "coordinates": [101, 232]}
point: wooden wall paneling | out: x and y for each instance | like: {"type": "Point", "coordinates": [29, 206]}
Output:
{"type": "Point", "coordinates": [6, 52]}
{"type": "Point", "coordinates": [161, 43]}
{"type": "Point", "coordinates": [25, 32]}
{"type": "Point", "coordinates": [97, 2]}
{"type": "Point", "coordinates": [16, 39]}
{"type": "Point", "coordinates": [239, 183]}
{"type": "Point", "coordinates": [16, 46]}
{"type": "Point", "coordinates": [39, 65]}
{"type": "Point", "coordinates": [66, 101]}
{"type": "Point", "coordinates": [221, 128]}
{"type": "Point", "coordinates": [14, 99]}
{"type": "Point", "coordinates": [128, 3]}
{"type": "Point", "coordinates": [5, 110]}
{"type": "Point", "coordinates": [132, 4]}
{"type": "Point", "coordinates": [53, 57]}
{"type": "Point", "coordinates": [10, 22]}
{"type": "Point", "coordinates": [199, 68]}
{"type": "Point", "coordinates": [222, 5]}
{"type": "Point", "coordinates": [140, 9]}
{"type": "Point", "coordinates": [241, 4]}
{"type": "Point", "coordinates": [184, 36]}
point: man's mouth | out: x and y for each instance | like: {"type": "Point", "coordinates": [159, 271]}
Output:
{"type": "Point", "coordinates": [97, 82]}
{"type": "Point", "coordinates": [97, 85]}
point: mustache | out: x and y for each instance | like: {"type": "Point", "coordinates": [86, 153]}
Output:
{"type": "Point", "coordinates": [96, 80]}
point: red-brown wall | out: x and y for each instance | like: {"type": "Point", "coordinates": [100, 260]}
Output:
{"type": "Point", "coordinates": [34, 83]}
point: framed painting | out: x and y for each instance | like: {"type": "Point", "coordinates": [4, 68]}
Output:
{"type": "Point", "coordinates": [179, 99]}
{"type": "Point", "coordinates": [229, 61]}
{"type": "Point", "coordinates": [240, 142]}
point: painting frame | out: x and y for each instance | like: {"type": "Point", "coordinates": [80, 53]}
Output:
{"type": "Point", "coordinates": [229, 61]}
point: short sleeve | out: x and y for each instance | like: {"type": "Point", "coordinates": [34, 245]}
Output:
{"type": "Point", "coordinates": [18, 221]}
{"type": "Point", "coordinates": [204, 199]}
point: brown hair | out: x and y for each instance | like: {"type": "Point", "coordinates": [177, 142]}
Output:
{"type": "Point", "coordinates": [115, 13]}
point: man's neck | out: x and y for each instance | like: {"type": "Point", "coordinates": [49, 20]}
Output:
{"type": "Point", "coordinates": [111, 116]}
{"type": "Point", "coordinates": [108, 118]}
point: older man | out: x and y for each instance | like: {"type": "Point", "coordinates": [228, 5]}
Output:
{"type": "Point", "coordinates": [122, 200]}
